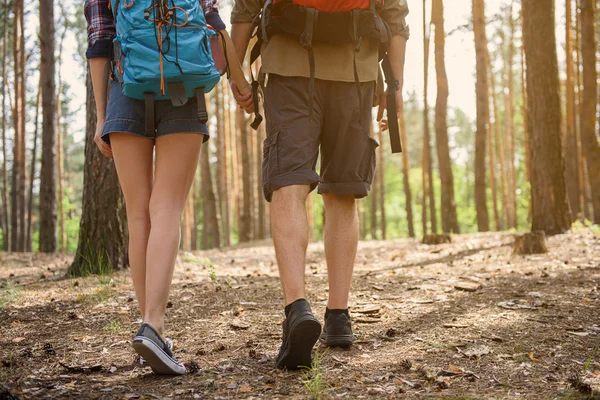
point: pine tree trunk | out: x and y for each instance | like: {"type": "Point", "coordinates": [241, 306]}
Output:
{"type": "Point", "coordinates": [509, 129]}
{"type": "Point", "coordinates": [18, 125]}
{"type": "Point", "coordinates": [235, 170]}
{"type": "Point", "coordinates": [589, 140]}
{"type": "Point", "coordinates": [102, 241]}
{"type": "Point", "coordinates": [187, 220]}
{"type": "Point", "coordinates": [226, 168]}
{"type": "Point", "coordinates": [406, 177]}
{"type": "Point", "coordinates": [48, 171]}
{"type": "Point", "coordinates": [221, 165]}
{"type": "Point", "coordinates": [449, 219]}
{"type": "Point", "coordinates": [571, 154]}
{"type": "Point", "coordinates": [495, 131]}
{"type": "Point", "coordinates": [550, 207]}
{"type": "Point", "coordinates": [429, 192]}
{"type": "Point", "coordinates": [482, 115]}
{"type": "Point", "coordinates": [525, 111]}
{"type": "Point", "coordinates": [5, 216]}
{"type": "Point", "coordinates": [261, 134]}
{"type": "Point", "coordinates": [245, 217]}
{"type": "Point", "coordinates": [61, 173]}
{"type": "Point", "coordinates": [28, 242]}
{"type": "Point", "coordinates": [381, 194]}
{"type": "Point", "coordinates": [22, 187]}
{"type": "Point", "coordinates": [210, 221]}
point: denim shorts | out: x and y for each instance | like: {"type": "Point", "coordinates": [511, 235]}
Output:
{"type": "Point", "coordinates": [124, 114]}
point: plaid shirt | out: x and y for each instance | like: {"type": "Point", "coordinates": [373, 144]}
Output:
{"type": "Point", "coordinates": [101, 24]}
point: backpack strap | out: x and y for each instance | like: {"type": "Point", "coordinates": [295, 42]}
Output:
{"type": "Point", "coordinates": [312, 16]}
{"type": "Point", "coordinates": [357, 44]}
{"type": "Point", "coordinates": [149, 104]}
{"type": "Point", "coordinates": [392, 87]}
{"type": "Point", "coordinates": [202, 113]}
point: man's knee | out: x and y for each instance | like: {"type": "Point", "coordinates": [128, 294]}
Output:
{"type": "Point", "coordinates": [339, 200]}
{"type": "Point", "coordinates": [291, 194]}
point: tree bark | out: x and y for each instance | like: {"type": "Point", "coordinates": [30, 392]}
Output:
{"type": "Point", "coordinates": [428, 190]}
{"type": "Point", "coordinates": [226, 217]}
{"type": "Point", "coordinates": [589, 140]}
{"type": "Point", "coordinates": [406, 177]}
{"type": "Point", "coordinates": [61, 150]}
{"type": "Point", "coordinates": [5, 216]}
{"type": "Point", "coordinates": [500, 150]}
{"type": "Point", "coordinates": [509, 129]}
{"type": "Point", "coordinates": [245, 217]}
{"type": "Point", "coordinates": [102, 244]}
{"type": "Point", "coordinates": [48, 171]}
{"type": "Point", "coordinates": [449, 218]}
{"type": "Point", "coordinates": [571, 154]}
{"type": "Point", "coordinates": [18, 173]}
{"type": "Point", "coordinates": [483, 108]}
{"type": "Point", "coordinates": [550, 207]}
{"type": "Point", "coordinates": [28, 244]}
{"type": "Point", "coordinates": [221, 165]}
{"type": "Point", "coordinates": [381, 188]}
{"type": "Point", "coordinates": [210, 221]}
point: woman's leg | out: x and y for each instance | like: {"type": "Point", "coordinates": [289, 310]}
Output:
{"type": "Point", "coordinates": [176, 162]}
{"type": "Point", "coordinates": [133, 160]}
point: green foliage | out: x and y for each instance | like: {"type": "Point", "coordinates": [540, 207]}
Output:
{"type": "Point", "coordinates": [314, 379]}
{"type": "Point", "coordinates": [9, 294]}
{"type": "Point", "coordinates": [114, 327]}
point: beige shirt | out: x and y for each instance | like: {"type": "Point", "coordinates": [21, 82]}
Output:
{"type": "Point", "coordinates": [285, 56]}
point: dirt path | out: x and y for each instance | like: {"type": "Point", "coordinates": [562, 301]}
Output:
{"type": "Point", "coordinates": [464, 320]}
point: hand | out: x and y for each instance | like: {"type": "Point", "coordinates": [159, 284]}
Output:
{"type": "Point", "coordinates": [104, 148]}
{"type": "Point", "coordinates": [383, 123]}
{"type": "Point", "coordinates": [245, 101]}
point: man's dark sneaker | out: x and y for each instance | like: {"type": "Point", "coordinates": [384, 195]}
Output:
{"type": "Point", "coordinates": [338, 330]}
{"type": "Point", "coordinates": [301, 331]}
{"type": "Point", "coordinates": [156, 352]}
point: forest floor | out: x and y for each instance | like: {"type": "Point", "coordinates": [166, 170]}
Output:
{"type": "Point", "coordinates": [466, 320]}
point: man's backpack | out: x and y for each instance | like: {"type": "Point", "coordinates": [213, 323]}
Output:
{"type": "Point", "coordinates": [334, 22]}
{"type": "Point", "coordinates": [162, 51]}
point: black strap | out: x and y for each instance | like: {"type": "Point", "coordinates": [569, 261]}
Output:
{"type": "Point", "coordinates": [306, 39]}
{"type": "Point", "coordinates": [202, 113]}
{"type": "Point", "coordinates": [357, 43]}
{"type": "Point", "coordinates": [149, 104]}
{"type": "Point", "coordinates": [257, 117]}
{"type": "Point", "coordinates": [392, 87]}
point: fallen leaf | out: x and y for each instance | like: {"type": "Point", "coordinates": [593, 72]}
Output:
{"type": "Point", "coordinates": [467, 286]}
{"type": "Point", "coordinates": [532, 358]}
{"type": "Point", "coordinates": [455, 326]}
{"type": "Point", "coordinates": [476, 351]}
{"type": "Point", "coordinates": [239, 324]}
{"type": "Point", "coordinates": [245, 388]}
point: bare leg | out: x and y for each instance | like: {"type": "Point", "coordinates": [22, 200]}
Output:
{"type": "Point", "coordinates": [133, 161]}
{"type": "Point", "coordinates": [341, 241]}
{"type": "Point", "coordinates": [176, 162]}
{"type": "Point", "coordinates": [289, 226]}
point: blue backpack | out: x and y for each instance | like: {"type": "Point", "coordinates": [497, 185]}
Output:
{"type": "Point", "coordinates": [162, 51]}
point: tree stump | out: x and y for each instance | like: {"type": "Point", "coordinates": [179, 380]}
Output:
{"type": "Point", "coordinates": [530, 243]}
{"type": "Point", "coordinates": [434, 239]}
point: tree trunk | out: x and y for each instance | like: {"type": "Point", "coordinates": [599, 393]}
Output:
{"type": "Point", "coordinates": [550, 207]}
{"type": "Point", "coordinates": [102, 244]}
{"type": "Point", "coordinates": [495, 131]}
{"type": "Point", "coordinates": [28, 243]}
{"type": "Point", "coordinates": [406, 177]}
{"type": "Point", "coordinates": [509, 129]}
{"type": "Point", "coordinates": [225, 163]}
{"type": "Point", "coordinates": [5, 216]}
{"type": "Point", "coordinates": [449, 219]}
{"type": "Point", "coordinates": [492, 165]}
{"type": "Point", "coordinates": [483, 110]}
{"type": "Point", "coordinates": [381, 195]}
{"type": "Point", "coordinates": [245, 217]}
{"type": "Point", "coordinates": [61, 150]}
{"type": "Point", "coordinates": [221, 165]}
{"type": "Point", "coordinates": [210, 221]}
{"type": "Point", "coordinates": [261, 134]}
{"type": "Point", "coordinates": [589, 140]}
{"type": "Point", "coordinates": [571, 155]}
{"type": "Point", "coordinates": [48, 171]}
{"type": "Point", "coordinates": [428, 190]}
{"type": "Point", "coordinates": [187, 220]}
{"type": "Point", "coordinates": [18, 173]}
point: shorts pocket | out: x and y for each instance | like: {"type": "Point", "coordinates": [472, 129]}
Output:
{"type": "Point", "coordinates": [371, 160]}
{"type": "Point", "coordinates": [270, 167]}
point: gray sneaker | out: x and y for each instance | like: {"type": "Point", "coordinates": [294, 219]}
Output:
{"type": "Point", "coordinates": [142, 361]}
{"type": "Point", "coordinates": [156, 352]}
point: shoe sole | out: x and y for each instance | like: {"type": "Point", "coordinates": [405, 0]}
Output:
{"type": "Point", "coordinates": [298, 347]}
{"type": "Point", "coordinates": [338, 340]}
{"type": "Point", "coordinates": [160, 362]}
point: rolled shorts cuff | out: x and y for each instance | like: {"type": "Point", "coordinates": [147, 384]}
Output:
{"type": "Point", "coordinates": [122, 125]}
{"type": "Point", "coordinates": [164, 128]}
{"type": "Point", "coordinates": [304, 177]}
{"type": "Point", "coordinates": [357, 189]}
{"type": "Point", "coordinates": [182, 125]}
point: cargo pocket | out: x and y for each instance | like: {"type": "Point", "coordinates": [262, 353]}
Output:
{"type": "Point", "coordinates": [370, 160]}
{"type": "Point", "coordinates": [270, 167]}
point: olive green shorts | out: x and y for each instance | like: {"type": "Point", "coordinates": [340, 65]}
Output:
{"type": "Point", "coordinates": [340, 129]}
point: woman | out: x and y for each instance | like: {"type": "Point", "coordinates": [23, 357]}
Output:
{"type": "Point", "coordinates": [155, 193]}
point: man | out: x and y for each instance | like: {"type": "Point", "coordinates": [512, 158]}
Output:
{"type": "Point", "coordinates": [303, 117]}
